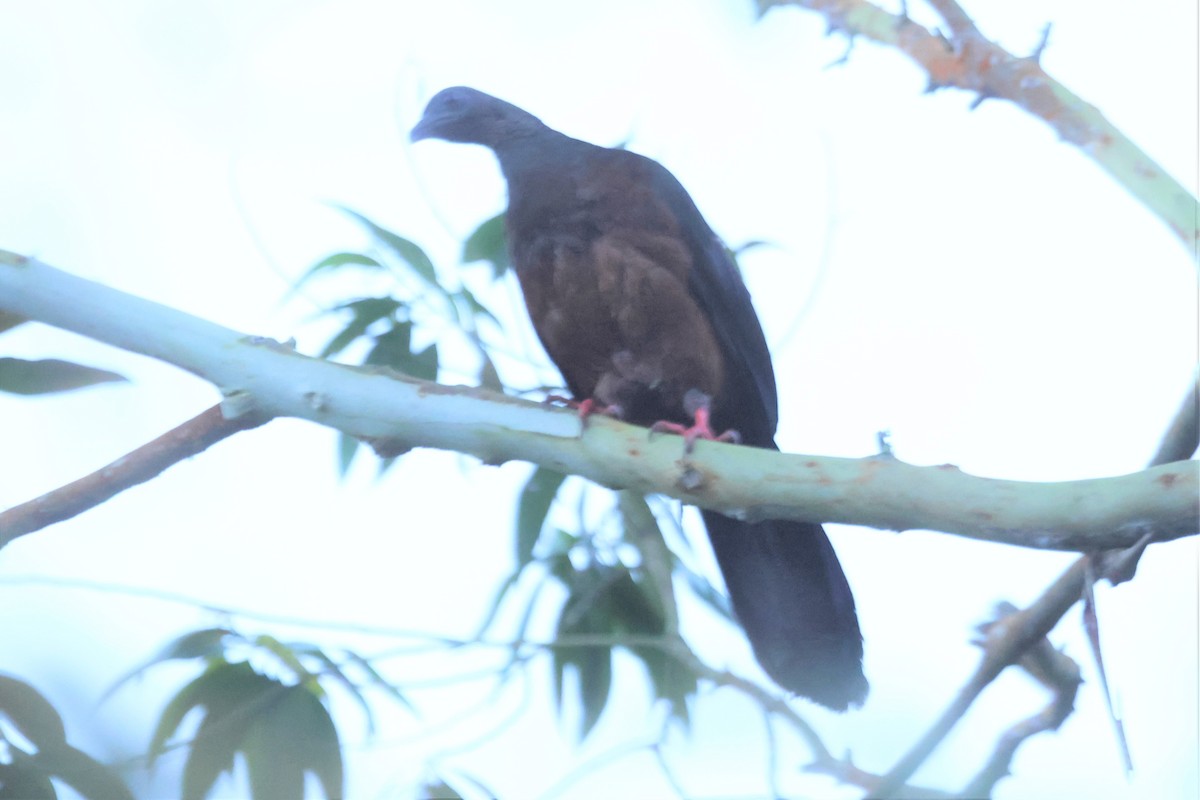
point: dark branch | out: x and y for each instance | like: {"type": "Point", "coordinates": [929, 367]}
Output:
{"type": "Point", "coordinates": [146, 462]}
{"type": "Point", "coordinates": [1012, 638]}
{"type": "Point", "coordinates": [1007, 640]}
{"type": "Point", "coordinates": [1058, 673]}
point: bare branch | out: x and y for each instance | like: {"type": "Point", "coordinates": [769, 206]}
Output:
{"type": "Point", "coordinates": [1183, 436]}
{"type": "Point", "coordinates": [1024, 644]}
{"type": "Point", "coordinates": [978, 65]}
{"type": "Point", "coordinates": [1007, 640]}
{"type": "Point", "coordinates": [1058, 673]}
{"type": "Point", "coordinates": [148, 461]}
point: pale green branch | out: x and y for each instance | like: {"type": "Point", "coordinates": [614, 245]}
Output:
{"type": "Point", "coordinates": [396, 413]}
{"type": "Point", "coordinates": [972, 62]}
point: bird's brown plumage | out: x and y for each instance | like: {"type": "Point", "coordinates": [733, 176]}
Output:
{"type": "Point", "coordinates": [641, 308]}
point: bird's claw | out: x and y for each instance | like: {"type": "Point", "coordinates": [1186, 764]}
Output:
{"type": "Point", "coordinates": [701, 428]}
{"type": "Point", "coordinates": [587, 407]}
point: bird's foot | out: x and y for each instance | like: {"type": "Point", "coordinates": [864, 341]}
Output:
{"type": "Point", "coordinates": [700, 428]}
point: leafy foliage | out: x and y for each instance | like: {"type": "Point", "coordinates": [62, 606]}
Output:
{"type": "Point", "coordinates": [487, 243]}
{"type": "Point", "coordinates": [264, 703]}
{"type": "Point", "coordinates": [274, 714]}
{"type": "Point", "coordinates": [386, 323]}
{"type": "Point", "coordinates": [28, 772]}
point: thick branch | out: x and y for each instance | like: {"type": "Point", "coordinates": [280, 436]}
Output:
{"type": "Point", "coordinates": [263, 377]}
{"type": "Point", "coordinates": [972, 62]}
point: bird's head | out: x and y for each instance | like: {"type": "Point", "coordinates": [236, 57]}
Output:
{"type": "Point", "coordinates": [463, 114]}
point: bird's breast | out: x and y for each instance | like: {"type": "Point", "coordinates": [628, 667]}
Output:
{"type": "Point", "coordinates": [615, 314]}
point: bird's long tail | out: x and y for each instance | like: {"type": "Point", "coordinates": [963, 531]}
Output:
{"type": "Point", "coordinates": [791, 597]}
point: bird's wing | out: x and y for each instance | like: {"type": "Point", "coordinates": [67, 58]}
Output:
{"type": "Point", "coordinates": [750, 401]}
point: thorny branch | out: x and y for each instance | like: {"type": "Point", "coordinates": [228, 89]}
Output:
{"type": "Point", "coordinates": [970, 61]}
{"type": "Point", "coordinates": [1013, 637]}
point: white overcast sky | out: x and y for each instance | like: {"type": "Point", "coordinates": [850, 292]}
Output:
{"type": "Point", "coordinates": [960, 278]}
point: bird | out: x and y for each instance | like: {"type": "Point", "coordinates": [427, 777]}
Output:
{"type": "Point", "coordinates": [643, 310]}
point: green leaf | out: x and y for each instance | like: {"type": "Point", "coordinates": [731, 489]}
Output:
{"type": "Point", "coordinates": [291, 737]}
{"type": "Point", "coordinates": [31, 713]}
{"type": "Point", "coordinates": [285, 654]}
{"type": "Point", "coordinates": [488, 243]}
{"type": "Point", "coordinates": [437, 789]}
{"type": "Point", "coordinates": [339, 260]}
{"type": "Point", "coordinates": [334, 670]}
{"type": "Point", "coordinates": [746, 247]}
{"type": "Point", "coordinates": [481, 789]}
{"type": "Point", "coordinates": [588, 610]}
{"type": "Point", "coordinates": [366, 312]}
{"type": "Point", "coordinates": [207, 643]}
{"type": "Point", "coordinates": [671, 679]}
{"type": "Point", "coordinates": [336, 262]}
{"type": "Point", "coordinates": [506, 585]}
{"type": "Point", "coordinates": [234, 696]}
{"type": "Point", "coordinates": [489, 377]}
{"type": "Point", "coordinates": [281, 730]}
{"type": "Point", "coordinates": [212, 750]}
{"type": "Point", "coordinates": [347, 447]}
{"type": "Point", "coordinates": [527, 615]}
{"type": "Point", "coordinates": [204, 643]}
{"type": "Point", "coordinates": [378, 680]}
{"type": "Point", "coordinates": [595, 680]}
{"type": "Point", "coordinates": [393, 347]}
{"type": "Point", "coordinates": [470, 310]}
{"type": "Point", "coordinates": [424, 365]}
{"type": "Point", "coordinates": [220, 688]}
{"type": "Point", "coordinates": [23, 778]}
{"type": "Point", "coordinates": [704, 589]}
{"type": "Point", "coordinates": [19, 376]}
{"type": "Point", "coordinates": [10, 320]}
{"type": "Point", "coordinates": [83, 773]}
{"type": "Point", "coordinates": [384, 465]}
{"type": "Point", "coordinates": [537, 495]}
{"type": "Point", "coordinates": [407, 251]}
{"type": "Point", "coordinates": [607, 600]}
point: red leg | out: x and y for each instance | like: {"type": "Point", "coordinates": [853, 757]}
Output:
{"type": "Point", "coordinates": [586, 407]}
{"type": "Point", "coordinates": [700, 428]}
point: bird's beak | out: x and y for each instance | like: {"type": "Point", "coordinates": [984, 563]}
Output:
{"type": "Point", "coordinates": [420, 131]}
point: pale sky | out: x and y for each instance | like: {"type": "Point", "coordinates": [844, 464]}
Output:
{"type": "Point", "coordinates": [960, 278]}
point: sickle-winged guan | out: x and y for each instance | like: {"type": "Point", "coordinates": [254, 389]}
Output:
{"type": "Point", "coordinates": [643, 311]}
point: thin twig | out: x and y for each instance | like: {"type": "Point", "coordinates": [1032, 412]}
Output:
{"type": "Point", "coordinates": [962, 28]}
{"type": "Point", "coordinates": [146, 462]}
{"type": "Point", "coordinates": [596, 762]}
{"type": "Point", "coordinates": [1091, 624]}
{"type": "Point", "coordinates": [772, 755]}
{"type": "Point", "coordinates": [1007, 639]}
{"type": "Point", "coordinates": [1057, 672]}
{"type": "Point", "coordinates": [1024, 628]}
